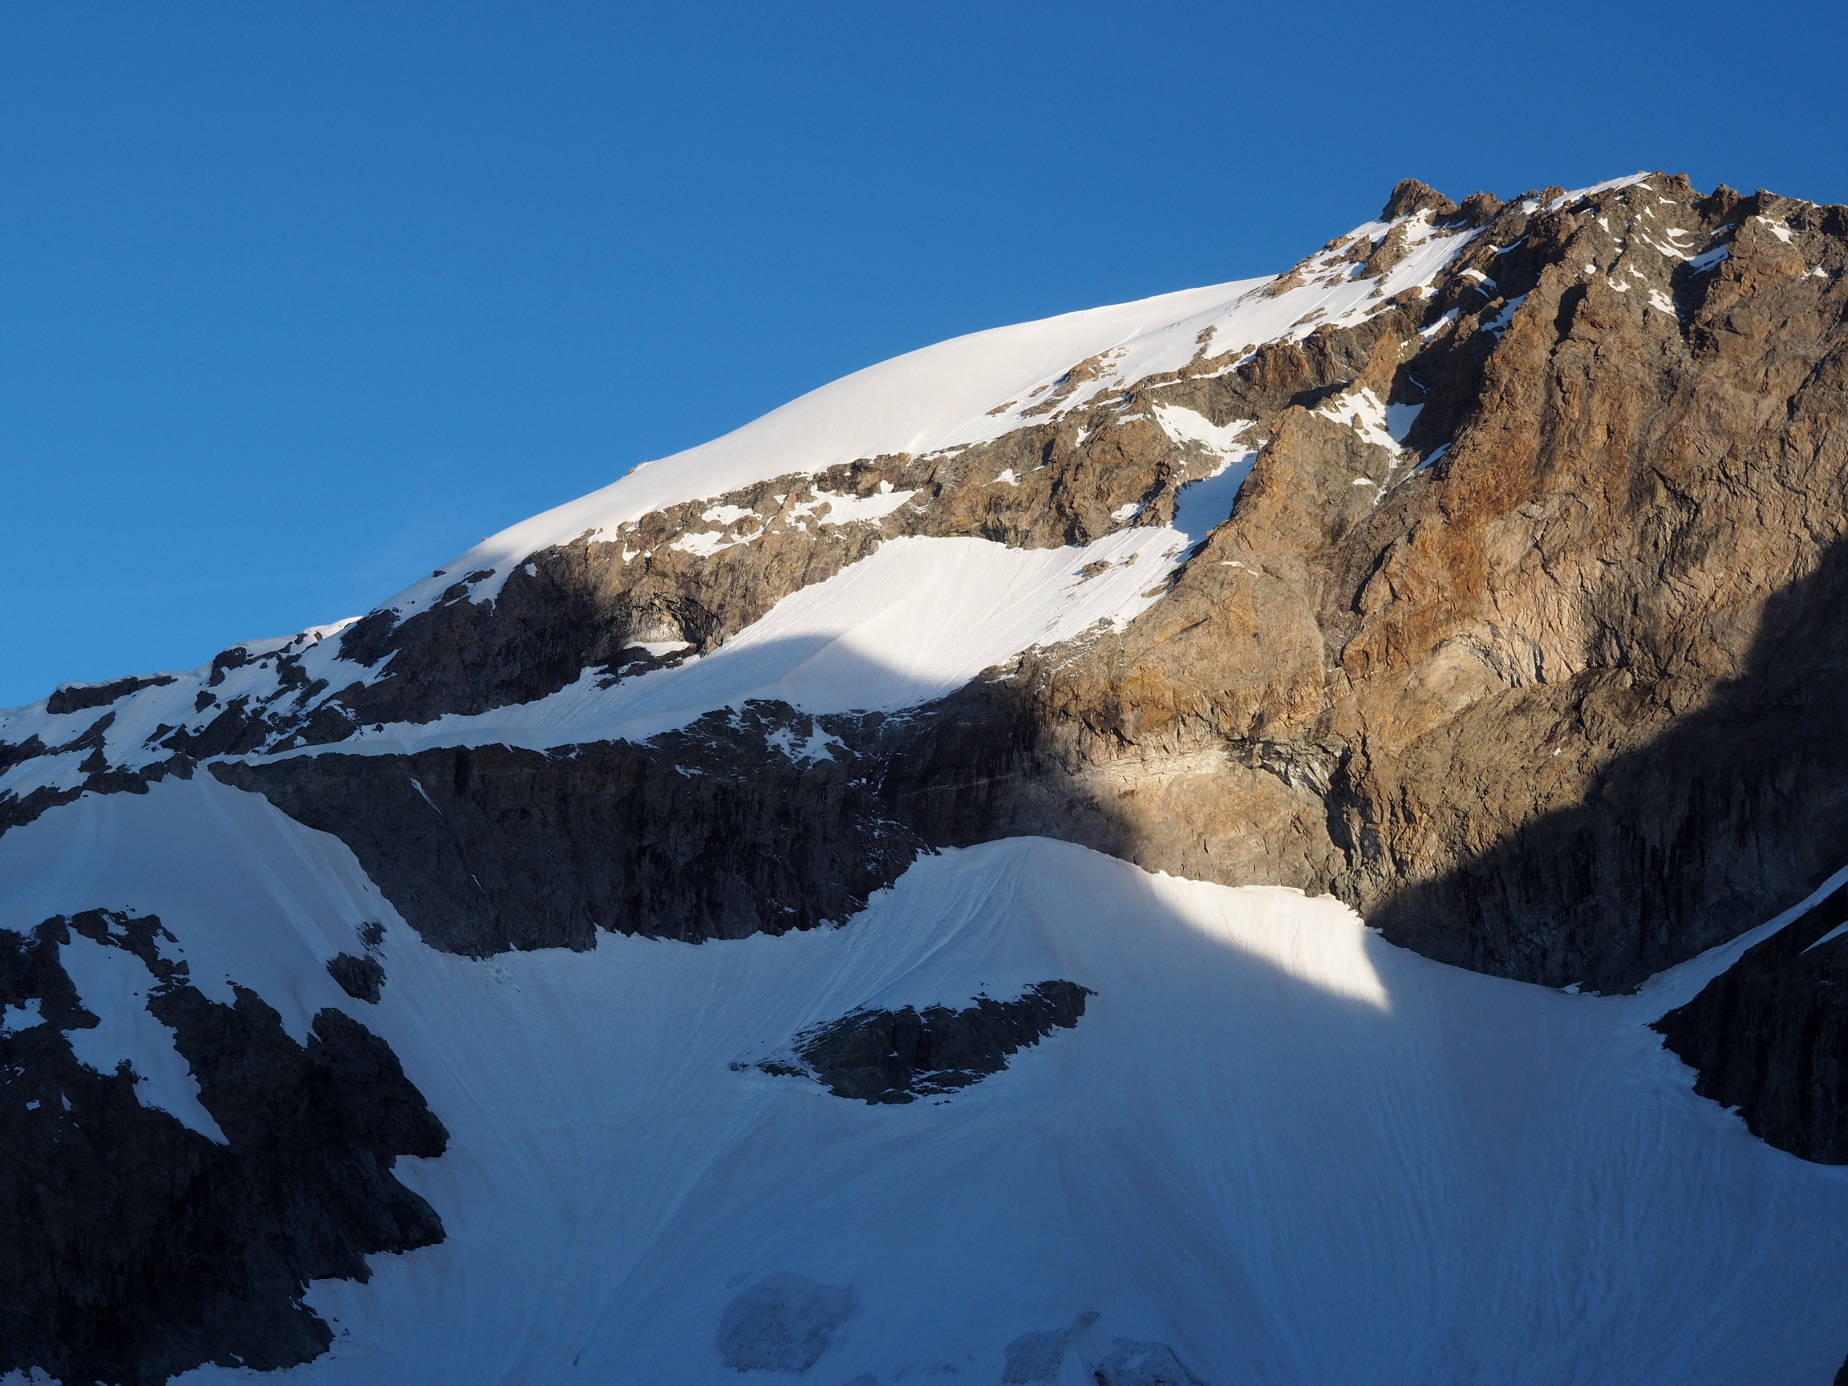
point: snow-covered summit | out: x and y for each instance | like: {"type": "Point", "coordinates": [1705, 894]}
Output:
{"type": "Point", "coordinates": [940, 399]}
{"type": "Point", "coordinates": [979, 387]}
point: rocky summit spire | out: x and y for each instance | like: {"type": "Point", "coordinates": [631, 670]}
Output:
{"type": "Point", "coordinates": [1412, 196]}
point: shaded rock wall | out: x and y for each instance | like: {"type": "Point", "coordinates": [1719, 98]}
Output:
{"type": "Point", "coordinates": [710, 832]}
{"type": "Point", "coordinates": [133, 1248]}
{"type": "Point", "coordinates": [1770, 1036]}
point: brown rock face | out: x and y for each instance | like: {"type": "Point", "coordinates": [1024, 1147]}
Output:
{"type": "Point", "coordinates": [1544, 686]}
{"type": "Point", "coordinates": [1546, 680]}
{"type": "Point", "coordinates": [1560, 705]}
{"type": "Point", "coordinates": [1412, 196]}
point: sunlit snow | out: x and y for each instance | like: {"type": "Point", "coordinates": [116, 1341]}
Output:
{"type": "Point", "coordinates": [915, 620]}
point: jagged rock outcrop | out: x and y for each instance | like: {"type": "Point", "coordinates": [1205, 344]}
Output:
{"type": "Point", "coordinates": [135, 1247]}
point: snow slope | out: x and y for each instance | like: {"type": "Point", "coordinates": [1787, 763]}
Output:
{"type": "Point", "coordinates": [956, 393]}
{"type": "Point", "coordinates": [975, 388]}
{"type": "Point", "coordinates": [951, 395]}
{"type": "Point", "coordinates": [1279, 1146]}
{"type": "Point", "coordinates": [914, 621]}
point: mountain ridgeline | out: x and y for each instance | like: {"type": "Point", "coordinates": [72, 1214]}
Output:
{"type": "Point", "coordinates": [1487, 571]}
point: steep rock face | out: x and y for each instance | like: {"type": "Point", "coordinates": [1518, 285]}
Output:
{"type": "Point", "coordinates": [1551, 707]}
{"type": "Point", "coordinates": [138, 1248]}
{"type": "Point", "coordinates": [1769, 1035]}
{"type": "Point", "coordinates": [711, 832]}
{"type": "Point", "coordinates": [1538, 680]}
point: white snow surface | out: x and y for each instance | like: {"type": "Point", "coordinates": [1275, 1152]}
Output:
{"type": "Point", "coordinates": [1201, 505]}
{"type": "Point", "coordinates": [915, 620]}
{"type": "Point", "coordinates": [1363, 411]}
{"type": "Point", "coordinates": [970, 390]}
{"type": "Point", "coordinates": [268, 911]}
{"type": "Point", "coordinates": [1186, 425]}
{"type": "Point", "coordinates": [1275, 1143]}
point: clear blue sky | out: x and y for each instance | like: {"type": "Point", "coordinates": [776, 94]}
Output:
{"type": "Point", "coordinates": [299, 299]}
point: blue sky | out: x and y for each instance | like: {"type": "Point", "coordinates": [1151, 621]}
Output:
{"type": "Point", "coordinates": [299, 299]}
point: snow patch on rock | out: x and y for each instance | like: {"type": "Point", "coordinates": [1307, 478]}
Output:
{"type": "Point", "coordinates": [913, 621]}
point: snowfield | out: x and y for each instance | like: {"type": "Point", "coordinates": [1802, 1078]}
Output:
{"type": "Point", "coordinates": [1280, 1148]}
{"type": "Point", "coordinates": [912, 622]}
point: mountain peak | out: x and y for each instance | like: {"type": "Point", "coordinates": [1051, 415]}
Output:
{"type": "Point", "coordinates": [1410, 195]}
{"type": "Point", "coordinates": [1109, 802]}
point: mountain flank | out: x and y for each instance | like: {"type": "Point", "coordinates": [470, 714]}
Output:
{"type": "Point", "coordinates": [1485, 571]}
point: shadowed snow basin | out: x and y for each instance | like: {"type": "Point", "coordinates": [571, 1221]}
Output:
{"type": "Point", "coordinates": [1275, 1147]}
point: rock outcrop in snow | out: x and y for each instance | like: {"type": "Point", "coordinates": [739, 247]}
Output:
{"type": "Point", "coordinates": [877, 1055]}
{"type": "Point", "coordinates": [147, 1232]}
